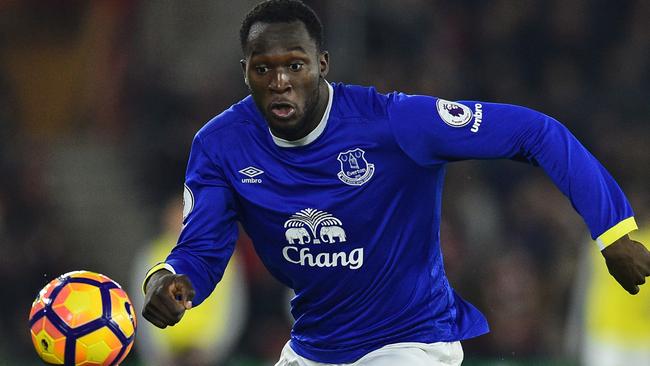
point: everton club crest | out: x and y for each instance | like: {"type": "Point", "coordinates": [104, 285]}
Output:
{"type": "Point", "coordinates": [355, 169]}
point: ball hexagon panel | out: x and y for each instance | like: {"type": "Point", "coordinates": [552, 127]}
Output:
{"type": "Point", "coordinates": [99, 347]}
{"type": "Point", "coordinates": [78, 304]}
{"type": "Point", "coordinates": [49, 341]}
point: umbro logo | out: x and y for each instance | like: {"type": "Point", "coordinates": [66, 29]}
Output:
{"type": "Point", "coordinates": [251, 172]}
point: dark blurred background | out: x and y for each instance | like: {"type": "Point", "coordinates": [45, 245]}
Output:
{"type": "Point", "coordinates": [99, 101]}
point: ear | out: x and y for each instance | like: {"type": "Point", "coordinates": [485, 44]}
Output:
{"type": "Point", "coordinates": [324, 63]}
{"type": "Point", "coordinates": [242, 62]}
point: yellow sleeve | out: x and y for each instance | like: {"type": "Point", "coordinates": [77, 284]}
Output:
{"type": "Point", "coordinates": [154, 269]}
{"type": "Point", "coordinates": [616, 232]}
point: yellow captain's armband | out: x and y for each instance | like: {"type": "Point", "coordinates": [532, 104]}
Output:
{"type": "Point", "coordinates": [154, 269]}
{"type": "Point", "coordinates": [616, 232]}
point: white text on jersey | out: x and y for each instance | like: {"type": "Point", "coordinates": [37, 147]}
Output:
{"type": "Point", "coordinates": [311, 227]}
{"type": "Point", "coordinates": [303, 257]}
{"type": "Point", "coordinates": [251, 172]}
{"type": "Point", "coordinates": [478, 117]}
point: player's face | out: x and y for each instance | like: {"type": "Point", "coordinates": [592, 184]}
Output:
{"type": "Point", "coordinates": [283, 70]}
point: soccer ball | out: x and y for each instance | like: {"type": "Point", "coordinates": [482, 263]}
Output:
{"type": "Point", "coordinates": [82, 318]}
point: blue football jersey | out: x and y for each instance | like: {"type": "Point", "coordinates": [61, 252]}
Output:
{"type": "Point", "coordinates": [349, 217]}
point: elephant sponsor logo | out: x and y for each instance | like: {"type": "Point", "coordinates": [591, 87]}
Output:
{"type": "Point", "coordinates": [355, 169]}
{"type": "Point", "coordinates": [315, 227]}
{"type": "Point", "coordinates": [297, 233]}
{"type": "Point", "coordinates": [328, 234]}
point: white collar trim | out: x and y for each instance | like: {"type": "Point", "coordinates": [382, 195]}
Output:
{"type": "Point", "coordinates": [313, 135]}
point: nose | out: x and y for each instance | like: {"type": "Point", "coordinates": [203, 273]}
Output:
{"type": "Point", "coordinates": [280, 82]}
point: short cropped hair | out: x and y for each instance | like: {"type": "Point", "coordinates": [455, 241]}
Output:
{"type": "Point", "coordinates": [283, 11]}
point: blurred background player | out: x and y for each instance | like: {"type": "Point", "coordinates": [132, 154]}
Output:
{"type": "Point", "coordinates": [608, 327]}
{"type": "Point", "coordinates": [208, 334]}
{"type": "Point", "coordinates": [616, 325]}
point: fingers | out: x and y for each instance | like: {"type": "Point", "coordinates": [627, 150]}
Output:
{"type": "Point", "coordinates": [166, 302]}
{"type": "Point", "coordinates": [628, 262]}
{"type": "Point", "coordinates": [171, 310]}
{"type": "Point", "coordinates": [633, 290]}
{"type": "Point", "coordinates": [628, 277]}
{"type": "Point", "coordinates": [633, 282]}
{"type": "Point", "coordinates": [643, 264]}
{"type": "Point", "coordinates": [645, 260]}
{"type": "Point", "coordinates": [160, 314]}
{"type": "Point", "coordinates": [154, 317]}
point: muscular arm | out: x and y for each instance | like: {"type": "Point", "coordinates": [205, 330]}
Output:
{"type": "Point", "coordinates": [206, 243]}
{"type": "Point", "coordinates": [436, 132]}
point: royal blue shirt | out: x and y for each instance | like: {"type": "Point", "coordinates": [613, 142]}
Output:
{"type": "Point", "coordinates": [351, 219]}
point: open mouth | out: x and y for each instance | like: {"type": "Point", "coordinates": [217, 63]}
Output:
{"type": "Point", "coordinates": [282, 110]}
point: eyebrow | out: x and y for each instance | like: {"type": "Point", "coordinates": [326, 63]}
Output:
{"type": "Point", "coordinates": [295, 48]}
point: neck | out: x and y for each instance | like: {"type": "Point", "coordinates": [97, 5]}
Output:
{"type": "Point", "coordinates": [319, 110]}
{"type": "Point", "coordinates": [321, 106]}
{"type": "Point", "coordinates": [312, 118]}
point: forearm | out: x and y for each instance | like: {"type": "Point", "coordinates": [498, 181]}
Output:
{"type": "Point", "coordinates": [514, 132]}
{"type": "Point", "coordinates": [593, 192]}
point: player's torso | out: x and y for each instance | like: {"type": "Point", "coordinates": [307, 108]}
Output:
{"type": "Point", "coordinates": [342, 219]}
{"type": "Point", "coordinates": [350, 222]}
{"type": "Point", "coordinates": [315, 209]}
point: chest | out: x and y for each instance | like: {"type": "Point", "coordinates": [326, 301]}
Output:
{"type": "Point", "coordinates": [349, 166]}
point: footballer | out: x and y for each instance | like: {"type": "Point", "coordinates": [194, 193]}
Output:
{"type": "Point", "coordinates": [339, 187]}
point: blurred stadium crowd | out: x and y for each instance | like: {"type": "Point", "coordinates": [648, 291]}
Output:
{"type": "Point", "coordinates": [99, 101]}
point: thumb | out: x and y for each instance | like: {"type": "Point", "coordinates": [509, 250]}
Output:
{"type": "Point", "coordinates": [183, 292]}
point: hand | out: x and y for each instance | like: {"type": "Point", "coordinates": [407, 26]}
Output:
{"type": "Point", "coordinates": [167, 296]}
{"type": "Point", "coordinates": [628, 261]}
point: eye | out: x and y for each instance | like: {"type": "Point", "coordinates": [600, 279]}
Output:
{"type": "Point", "coordinates": [296, 66]}
{"type": "Point", "coordinates": [261, 69]}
